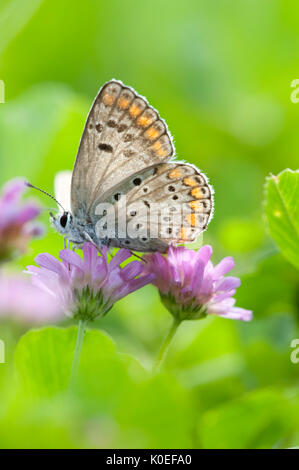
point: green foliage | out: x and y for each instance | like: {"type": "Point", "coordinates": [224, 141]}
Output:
{"type": "Point", "coordinates": [282, 212]}
{"type": "Point", "coordinates": [257, 420]}
{"type": "Point", "coordinates": [112, 387]}
{"type": "Point", "coordinates": [241, 236]}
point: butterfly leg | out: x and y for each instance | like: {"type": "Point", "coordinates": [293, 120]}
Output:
{"type": "Point", "coordinates": [66, 243]}
{"type": "Point", "coordinates": [137, 256]}
{"type": "Point", "coordinates": [89, 239]}
{"type": "Point", "coordinates": [109, 247]}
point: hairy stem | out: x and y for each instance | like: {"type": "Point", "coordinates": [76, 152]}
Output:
{"type": "Point", "coordinates": [165, 346]}
{"type": "Point", "coordinates": [77, 353]}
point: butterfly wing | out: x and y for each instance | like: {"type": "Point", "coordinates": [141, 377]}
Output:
{"type": "Point", "coordinates": [165, 204]}
{"type": "Point", "coordinates": [123, 134]}
{"type": "Point", "coordinates": [62, 188]}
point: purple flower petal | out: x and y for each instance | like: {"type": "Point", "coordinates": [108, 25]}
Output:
{"type": "Point", "coordinates": [157, 264]}
{"type": "Point", "coordinates": [228, 283]}
{"type": "Point", "coordinates": [25, 302]}
{"type": "Point", "coordinates": [223, 295]}
{"type": "Point", "coordinates": [134, 285]}
{"type": "Point", "coordinates": [221, 308]}
{"type": "Point", "coordinates": [205, 253]}
{"type": "Point", "coordinates": [89, 256]}
{"type": "Point", "coordinates": [100, 271]}
{"type": "Point", "coordinates": [121, 256]}
{"type": "Point", "coordinates": [239, 314]}
{"type": "Point", "coordinates": [131, 270]}
{"type": "Point", "coordinates": [48, 261]}
{"type": "Point", "coordinates": [223, 267]}
{"type": "Point", "coordinates": [71, 257]}
{"type": "Point", "coordinates": [13, 190]}
{"type": "Point", "coordinates": [175, 260]}
{"type": "Point", "coordinates": [198, 274]}
{"type": "Point", "coordinates": [29, 212]}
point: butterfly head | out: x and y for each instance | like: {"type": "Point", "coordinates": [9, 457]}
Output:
{"type": "Point", "coordinates": [63, 222]}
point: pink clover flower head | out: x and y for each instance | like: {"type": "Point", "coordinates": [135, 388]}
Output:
{"type": "Point", "coordinates": [16, 216]}
{"type": "Point", "coordinates": [88, 287]}
{"type": "Point", "coordinates": [192, 287]}
{"type": "Point", "coordinates": [22, 301]}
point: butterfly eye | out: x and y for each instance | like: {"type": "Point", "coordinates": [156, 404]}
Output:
{"type": "Point", "coordinates": [63, 220]}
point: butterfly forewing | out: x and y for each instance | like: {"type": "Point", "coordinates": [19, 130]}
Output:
{"type": "Point", "coordinates": [123, 135]}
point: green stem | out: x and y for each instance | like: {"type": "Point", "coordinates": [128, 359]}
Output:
{"type": "Point", "coordinates": [165, 346]}
{"type": "Point", "coordinates": [77, 353]}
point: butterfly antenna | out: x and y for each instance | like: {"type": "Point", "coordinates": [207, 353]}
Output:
{"type": "Point", "coordinates": [29, 185]}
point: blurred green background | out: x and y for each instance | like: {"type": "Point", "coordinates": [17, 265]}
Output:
{"type": "Point", "coordinates": [220, 73]}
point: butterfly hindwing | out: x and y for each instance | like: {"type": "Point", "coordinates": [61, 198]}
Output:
{"type": "Point", "coordinates": [165, 204]}
{"type": "Point", "coordinates": [123, 134]}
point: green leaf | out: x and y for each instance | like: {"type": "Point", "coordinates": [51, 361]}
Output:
{"type": "Point", "coordinates": [115, 403]}
{"type": "Point", "coordinates": [44, 357]}
{"type": "Point", "coordinates": [282, 212]}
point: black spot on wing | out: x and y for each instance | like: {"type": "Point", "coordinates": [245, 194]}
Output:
{"type": "Point", "coordinates": [105, 147]}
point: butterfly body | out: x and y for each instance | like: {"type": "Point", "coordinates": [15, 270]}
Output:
{"type": "Point", "coordinates": [125, 191]}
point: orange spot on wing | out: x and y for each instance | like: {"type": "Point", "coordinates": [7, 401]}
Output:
{"type": "Point", "coordinates": [158, 149]}
{"type": "Point", "coordinates": [161, 152]}
{"type": "Point", "coordinates": [108, 99]}
{"type": "Point", "coordinates": [134, 110]}
{"type": "Point", "coordinates": [160, 169]}
{"type": "Point", "coordinates": [156, 146]}
{"type": "Point", "coordinates": [144, 121]}
{"type": "Point", "coordinates": [122, 102]}
{"type": "Point", "coordinates": [152, 133]}
{"type": "Point", "coordinates": [184, 234]}
{"type": "Point", "coordinates": [197, 193]}
{"type": "Point", "coordinates": [190, 181]}
{"type": "Point", "coordinates": [191, 219]}
{"type": "Point", "coordinates": [196, 205]}
{"type": "Point", "coordinates": [174, 174]}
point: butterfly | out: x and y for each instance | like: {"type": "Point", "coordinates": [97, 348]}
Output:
{"type": "Point", "coordinates": [125, 155]}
